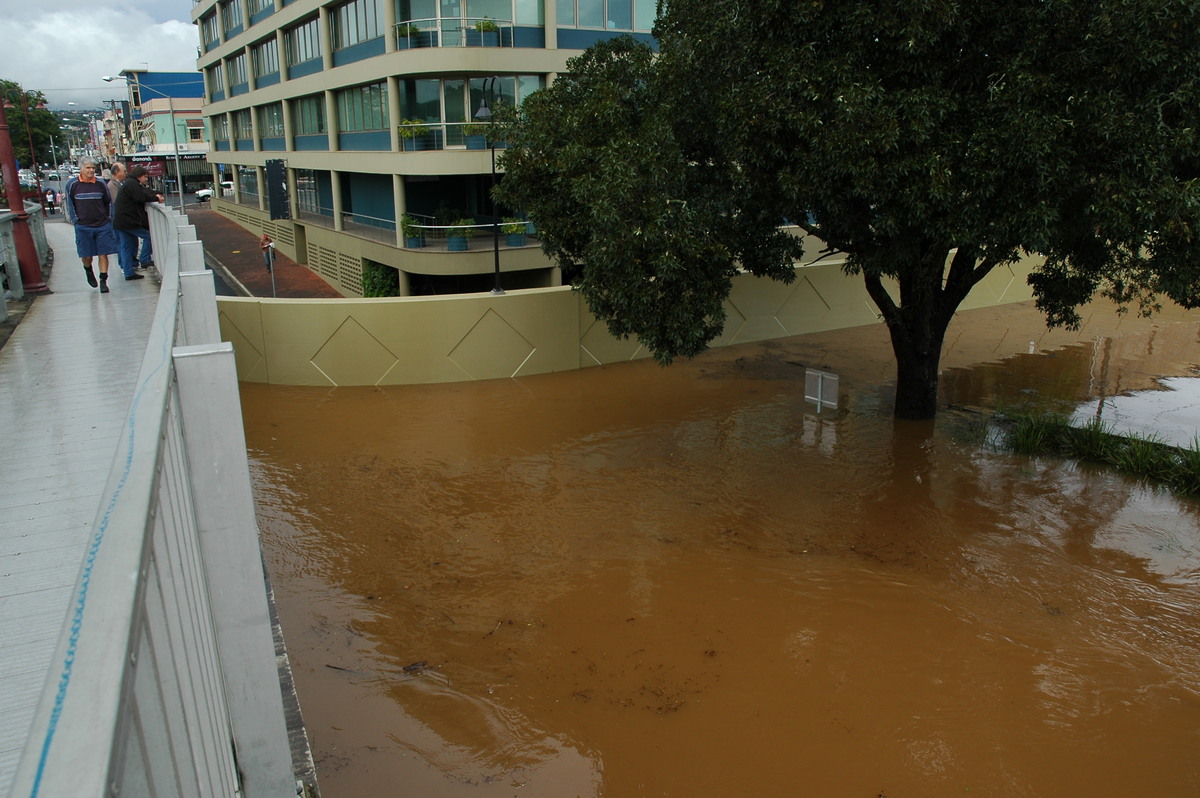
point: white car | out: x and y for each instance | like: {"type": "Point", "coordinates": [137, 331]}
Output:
{"type": "Point", "coordinates": [205, 194]}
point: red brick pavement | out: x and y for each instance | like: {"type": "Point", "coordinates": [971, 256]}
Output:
{"type": "Point", "coordinates": [236, 252]}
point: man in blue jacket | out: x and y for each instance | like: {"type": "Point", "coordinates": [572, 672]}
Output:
{"type": "Point", "coordinates": [89, 208]}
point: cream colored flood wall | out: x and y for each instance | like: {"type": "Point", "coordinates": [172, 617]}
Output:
{"type": "Point", "coordinates": [411, 340]}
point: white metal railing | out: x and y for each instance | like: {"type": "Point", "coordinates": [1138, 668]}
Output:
{"type": "Point", "coordinates": [166, 683]}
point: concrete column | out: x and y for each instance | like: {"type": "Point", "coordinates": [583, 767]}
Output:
{"type": "Point", "coordinates": [389, 27]}
{"type": "Point", "coordinates": [323, 30]}
{"type": "Point", "coordinates": [335, 186]}
{"type": "Point", "coordinates": [288, 131]}
{"type": "Point", "coordinates": [331, 120]}
{"type": "Point", "coordinates": [281, 49]}
{"type": "Point", "coordinates": [399, 204]}
{"type": "Point", "coordinates": [251, 79]}
{"type": "Point", "coordinates": [550, 15]}
{"type": "Point", "coordinates": [393, 98]}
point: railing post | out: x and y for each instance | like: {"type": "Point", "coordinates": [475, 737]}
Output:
{"type": "Point", "coordinates": [198, 305]}
{"type": "Point", "coordinates": [211, 416]}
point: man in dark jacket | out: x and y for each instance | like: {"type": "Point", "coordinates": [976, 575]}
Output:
{"type": "Point", "coordinates": [131, 221]}
{"type": "Point", "coordinates": [88, 208]}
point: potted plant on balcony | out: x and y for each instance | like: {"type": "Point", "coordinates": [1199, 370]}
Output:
{"type": "Point", "coordinates": [486, 34]}
{"type": "Point", "coordinates": [416, 135]}
{"type": "Point", "coordinates": [409, 35]}
{"type": "Point", "coordinates": [414, 236]}
{"type": "Point", "coordinates": [459, 235]}
{"type": "Point", "coordinates": [514, 231]}
{"type": "Point", "coordinates": [475, 136]}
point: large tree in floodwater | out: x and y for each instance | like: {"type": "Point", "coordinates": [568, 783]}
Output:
{"type": "Point", "coordinates": [898, 133]}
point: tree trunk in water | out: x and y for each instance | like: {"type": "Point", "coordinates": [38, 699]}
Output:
{"type": "Point", "coordinates": [917, 382]}
{"type": "Point", "coordinates": [917, 327]}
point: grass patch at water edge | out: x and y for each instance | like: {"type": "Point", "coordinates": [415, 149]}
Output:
{"type": "Point", "coordinates": [1149, 458]}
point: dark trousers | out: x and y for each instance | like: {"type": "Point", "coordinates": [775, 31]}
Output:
{"type": "Point", "coordinates": [127, 243]}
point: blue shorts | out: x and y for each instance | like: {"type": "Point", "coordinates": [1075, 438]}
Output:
{"type": "Point", "coordinates": [91, 241]}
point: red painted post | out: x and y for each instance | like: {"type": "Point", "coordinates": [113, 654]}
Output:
{"type": "Point", "coordinates": [31, 270]}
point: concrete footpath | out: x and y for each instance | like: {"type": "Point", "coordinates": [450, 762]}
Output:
{"type": "Point", "coordinates": [233, 253]}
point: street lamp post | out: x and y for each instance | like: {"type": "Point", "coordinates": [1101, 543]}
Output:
{"type": "Point", "coordinates": [174, 129]}
{"type": "Point", "coordinates": [484, 114]}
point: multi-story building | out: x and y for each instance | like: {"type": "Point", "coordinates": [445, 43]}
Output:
{"type": "Point", "coordinates": [372, 108]}
{"type": "Point", "coordinates": [160, 126]}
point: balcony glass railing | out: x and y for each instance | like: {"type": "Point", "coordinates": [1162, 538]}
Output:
{"type": "Point", "coordinates": [454, 32]}
{"type": "Point", "coordinates": [415, 136]}
{"type": "Point", "coordinates": [466, 236]}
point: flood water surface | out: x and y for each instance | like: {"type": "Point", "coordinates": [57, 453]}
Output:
{"type": "Point", "coordinates": [636, 581]}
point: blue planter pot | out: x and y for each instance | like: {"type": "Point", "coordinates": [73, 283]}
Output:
{"type": "Point", "coordinates": [422, 39]}
{"type": "Point", "coordinates": [514, 239]}
{"type": "Point", "coordinates": [475, 142]}
{"type": "Point", "coordinates": [477, 39]}
{"type": "Point", "coordinates": [456, 243]}
{"type": "Point", "coordinates": [414, 242]}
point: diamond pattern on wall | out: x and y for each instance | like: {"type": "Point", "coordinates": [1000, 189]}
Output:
{"type": "Point", "coordinates": [245, 354]}
{"type": "Point", "coordinates": [600, 346]}
{"type": "Point", "coordinates": [352, 356]}
{"type": "Point", "coordinates": [735, 321]}
{"type": "Point", "coordinates": [491, 349]}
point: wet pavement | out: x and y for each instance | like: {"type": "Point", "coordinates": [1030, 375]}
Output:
{"type": "Point", "coordinates": [233, 253]}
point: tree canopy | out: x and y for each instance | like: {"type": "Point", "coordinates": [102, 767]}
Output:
{"type": "Point", "coordinates": [929, 140]}
{"type": "Point", "coordinates": [28, 120]}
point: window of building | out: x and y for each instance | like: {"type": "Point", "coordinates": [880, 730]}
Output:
{"type": "Point", "coordinates": [195, 134]}
{"type": "Point", "coordinates": [247, 178]}
{"type": "Point", "coordinates": [220, 127]}
{"type": "Point", "coordinates": [308, 197]}
{"type": "Point", "coordinates": [237, 70]}
{"type": "Point", "coordinates": [265, 56]}
{"type": "Point", "coordinates": [303, 42]}
{"type": "Point", "coordinates": [308, 115]}
{"type": "Point", "coordinates": [421, 100]}
{"type": "Point", "coordinates": [356, 22]}
{"type": "Point", "coordinates": [457, 100]}
{"type": "Point", "coordinates": [231, 15]}
{"type": "Point", "coordinates": [523, 12]}
{"type": "Point", "coordinates": [257, 6]}
{"type": "Point", "coordinates": [363, 108]}
{"type": "Point", "coordinates": [243, 127]}
{"type": "Point", "coordinates": [208, 29]}
{"type": "Point", "coordinates": [216, 80]}
{"type": "Point", "coordinates": [607, 14]}
{"type": "Point", "coordinates": [270, 120]}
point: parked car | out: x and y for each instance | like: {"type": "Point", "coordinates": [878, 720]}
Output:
{"type": "Point", "coordinates": [205, 194]}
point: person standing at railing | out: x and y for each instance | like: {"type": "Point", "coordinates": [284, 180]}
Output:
{"type": "Point", "coordinates": [89, 209]}
{"type": "Point", "coordinates": [116, 179]}
{"type": "Point", "coordinates": [131, 220]}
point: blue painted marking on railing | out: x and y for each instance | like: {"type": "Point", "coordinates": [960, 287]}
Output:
{"type": "Point", "coordinates": [64, 679]}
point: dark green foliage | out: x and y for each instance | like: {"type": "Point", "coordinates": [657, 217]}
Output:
{"type": "Point", "coordinates": [896, 132]}
{"type": "Point", "coordinates": [649, 235]}
{"type": "Point", "coordinates": [380, 280]}
{"type": "Point", "coordinates": [27, 121]}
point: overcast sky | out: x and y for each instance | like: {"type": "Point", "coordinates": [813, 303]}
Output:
{"type": "Point", "coordinates": [64, 47]}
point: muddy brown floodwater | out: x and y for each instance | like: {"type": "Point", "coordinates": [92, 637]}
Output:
{"type": "Point", "coordinates": [635, 581]}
